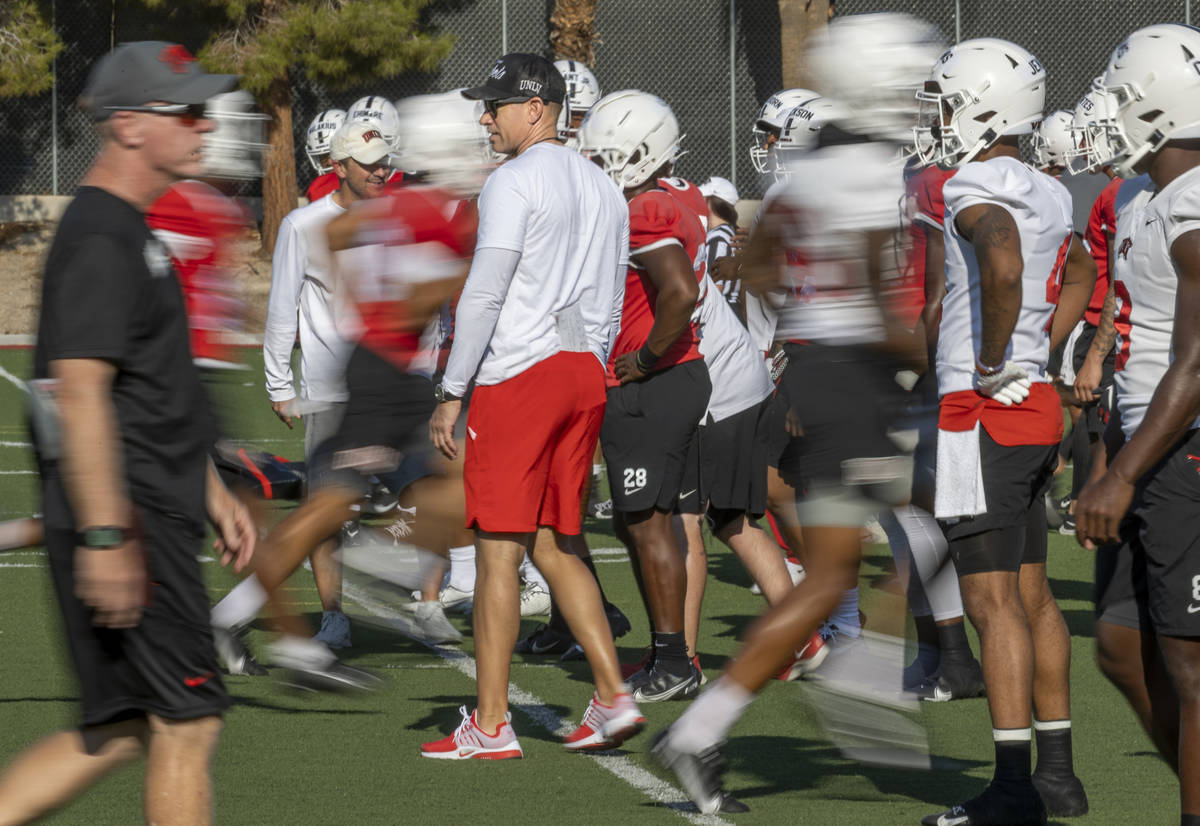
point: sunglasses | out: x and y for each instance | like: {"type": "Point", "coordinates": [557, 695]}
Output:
{"type": "Point", "coordinates": [493, 106]}
{"type": "Point", "coordinates": [188, 113]}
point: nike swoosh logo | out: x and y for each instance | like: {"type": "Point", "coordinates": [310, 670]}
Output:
{"type": "Point", "coordinates": [538, 648]}
{"type": "Point", "coordinates": [465, 752]}
{"type": "Point", "coordinates": [1193, 609]}
{"type": "Point", "coordinates": [687, 494]}
{"type": "Point", "coordinates": [192, 682]}
{"type": "Point", "coordinates": [472, 432]}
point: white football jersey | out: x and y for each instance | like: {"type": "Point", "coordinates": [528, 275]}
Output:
{"type": "Point", "coordinates": [833, 197]}
{"type": "Point", "coordinates": [1145, 284]}
{"type": "Point", "coordinates": [739, 375]}
{"type": "Point", "coordinates": [1041, 208]}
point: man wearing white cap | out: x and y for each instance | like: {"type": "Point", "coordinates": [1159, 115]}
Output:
{"type": "Point", "coordinates": [722, 198]}
{"type": "Point", "coordinates": [302, 296]}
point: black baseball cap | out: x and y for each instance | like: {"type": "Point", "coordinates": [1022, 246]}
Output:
{"type": "Point", "coordinates": [134, 74]}
{"type": "Point", "coordinates": [521, 76]}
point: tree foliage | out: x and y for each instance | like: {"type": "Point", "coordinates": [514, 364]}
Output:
{"type": "Point", "coordinates": [28, 46]}
{"type": "Point", "coordinates": [573, 31]}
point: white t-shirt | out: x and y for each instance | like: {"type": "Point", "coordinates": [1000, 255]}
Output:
{"type": "Point", "coordinates": [834, 196]}
{"type": "Point", "coordinates": [302, 279]}
{"type": "Point", "coordinates": [570, 226]}
{"type": "Point", "coordinates": [1041, 209]}
{"type": "Point", "coordinates": [1146, 283]}
{"type": "Point", "coordinates": [740, 378]}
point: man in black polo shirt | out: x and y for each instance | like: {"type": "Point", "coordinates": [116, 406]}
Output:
{"type": "Point", "coordinates": [122, 432]}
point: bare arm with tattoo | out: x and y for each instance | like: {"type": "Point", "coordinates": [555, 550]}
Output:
{"type": "Point", "coordinates": [997, 243]}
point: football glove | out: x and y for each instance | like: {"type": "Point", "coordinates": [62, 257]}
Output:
{"type": "Point", "coordinates": [1009, 385]}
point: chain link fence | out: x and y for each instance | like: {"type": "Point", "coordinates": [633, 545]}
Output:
{"type": "Point", "coordinates": [714, 62]}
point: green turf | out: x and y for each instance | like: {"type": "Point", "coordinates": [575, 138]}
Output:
{"type": "Point", "coordinates": [323, 759]}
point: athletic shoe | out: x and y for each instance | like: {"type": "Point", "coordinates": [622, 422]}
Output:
{"type": "Point", "coordinates": [618, 623]}
{"type": "Point", "coordinates": [470, 742]}
{"type": "Point", "coordinates": [655, 685]}
{"type": "Point", "coordinates": [234, 656]}
{"type": "Point", "coordinates": [602, 510]}
{"type": "Point", "coordinates": [335, 629]}
{"type": "Point", "coordinates": [1063, 795]}
{"type": "Point", "coordinates": [381, 500]}
{"type": "Point", "coordinates": [1053, 514]}
{"type": "Point", "coordinates": [606, 727]}
{"type": "Point", "coordinates": [699, 774]}
{"type": "Point", "coordinates": [535, 601]}
{"type": "Point", "coordinates": [954, 681]}
{"type": "Point", "coordinates": [334, 676]}
{"type": "Point", "coordinates": [1067, 528]}
{"type": "Point", "coordinates": [545, 641]}
{"type": "Point", "coordinates": [997, 806]}
{"type": "Point", "coordinates": [699, 670]}
{"type": "Point", "coordinates": [575, 652]}
{"type": "Point", "coordinates": [795, 571]}
{"type": "Point", "coordinates": [647, 660]}
{"type": "Point", "coordinates": [456, 601]}
{"type": "Point", "coordinates": [808, 659]}
{"type": "Point", "coordinates": [432, 625]}
{"type": "Point", "coordinates": [402, 527]}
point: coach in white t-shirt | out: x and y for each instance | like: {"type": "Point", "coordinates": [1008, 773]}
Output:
{"type": "Point", "coordinates": [534, 327]}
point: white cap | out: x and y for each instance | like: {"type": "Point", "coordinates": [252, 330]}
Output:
{"type": "Point", "coordinates": [716, 187]}
{"type": "Point", "coordinates": [361, 141]}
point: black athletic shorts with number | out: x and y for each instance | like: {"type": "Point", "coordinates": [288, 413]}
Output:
{"type": "Point", "coordinates": [1013, 531]}
{"type": "Point", "coordinates": [1154, 574]}
{"type": "Point", "coordinates": [648, 427]}
{"type": "Point", "coordinates": [385, 423]}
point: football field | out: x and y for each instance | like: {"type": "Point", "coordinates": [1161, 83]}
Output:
{"type": "Point", "coordinates": [325, 759]}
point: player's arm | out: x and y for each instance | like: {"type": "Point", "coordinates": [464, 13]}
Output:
{"type": "Point", "coordinates": [670, 270]}
{"type": "Point", "coordinates": [992, 232]}
{"type": "Point", "coordinates": [1087, 380]}
{"type": "Point", "coordinates": [905, 344]}
{"type": "Point", "coordinates": [236, 533]}
{"type": "Point", "coordinates": [1079, 280]}
{"type": "Point", "coordinates": [111, 580]}
{"type": "Point", "coordinates": [1173, 407]}
{"type": "Point", "coordinates": [935, 287]}
{"type": "Point", "coordinates": [283, 305]}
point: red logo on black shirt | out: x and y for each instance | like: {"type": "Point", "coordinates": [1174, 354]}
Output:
{"type": "Point", "coordinates": [1123, 250]}
{"type": "Point", "coordinates": [177, 57]}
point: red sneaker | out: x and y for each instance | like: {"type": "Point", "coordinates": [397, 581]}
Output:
{"type": "Point", "coordinates": [470, 742]}
{"type": "Point", "coordinates": [808, 660]}
{"type": "Point", "coordinates": [699, 670]}
{"type": "Point", "coordinates": [606, 727]}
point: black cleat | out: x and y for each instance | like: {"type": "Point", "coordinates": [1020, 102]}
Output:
{"type": "Point", "coordinates": [997, 806]}
{"type": "Point", "coordinates": [1063, 796]}
{"type": "Point", "coordinates": [234, 656]}
{"type": "Point", "coordinates": [954, 681]}
{"type": "Point", "coordinates": [654, 684]}
{"type": "Point", "coordinates": [545, 641]}
{"type": "Point", "coordinates": [699, 774]}
{"type": "Point", "coordinates": [335, 676]}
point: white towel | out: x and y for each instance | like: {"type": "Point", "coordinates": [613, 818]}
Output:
{"type": "Point", "coordinates": [1067, 371]}
{"type": "Point", "coordinates": [959, 485]}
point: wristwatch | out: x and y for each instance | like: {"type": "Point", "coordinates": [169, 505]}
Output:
{"type": "Point", "coordinates": [442, 396]}
{"type": "Point", "coordinates": [101, 537]}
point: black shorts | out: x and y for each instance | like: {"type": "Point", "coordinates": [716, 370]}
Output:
{"type": "Point", "coordinates": [1013, 531]}
{"type": "Point", "coordinates": [386, 423]}
{"type": "Point", "coordinates": [166, 665]}
{"type": "Point", "coordinates": [1094, 416]}
{"type": "Point", "coordinates": [736, 451]}
{"type": "Point", "coordinates": [648, 426]}
{"type": "Point", "coordinates": [1155, 574]}
{"type": "Point", "coordinates": [697, 476]}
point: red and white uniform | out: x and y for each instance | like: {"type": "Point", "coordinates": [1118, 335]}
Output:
{"type": "Point", "coordinates": [1146, 282]}
{"type": "Point", "coordinates": [419, 235]}
{"type": "Point", "coordinates": [1041, 209]}
{"type": "Point", "coordinates": [321, 186]}
{"type": "Point", "coordinates": [1102, 224]}
{"type": "Point", "coordinates": [660, 218]}
{"type": "Point", "coordinates": [924, 199]}
{"type": "Point", "coordinates": [198, 225]}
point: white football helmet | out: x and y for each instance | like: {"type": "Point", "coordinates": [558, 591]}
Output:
{"type": "Point", "coordinates": [873, 64]}
{"type": "Point", "coordinates": [320, 133]}
{"type": "Point", "coordinates": [583, 90]}
{"type": "Point", "coordinates": [1053, 140]}
{"type": "Point", "coordinates": [440, 139]}
{"type": "Point", "coordinates": [1091, 150]}
{"type": "Point", "coordinates": [378, 110]}
{"type": "Point", "coordinates": [771, 116]}
{"type": "Point", "coordinates": [235, 146]}
{"type": "Point", "coordinates": [799, 134]}
{"type": "Point", "coordinates": [979, 91]}
{"type": "Point", "coordinates": [632, 134]}
{"type": "Point", "coordinates": [1154, 77]}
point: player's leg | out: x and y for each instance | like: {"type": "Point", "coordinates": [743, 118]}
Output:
{"type": "Point", "coordinates": [1182, 658]}
{"type": "Point", "coordinates": [497, 619]}
{"type": "Point", "coordinates": [691, 539]}
{"type": "Point", "coordinates": [1130, 658]}
{"type": "Point", "coordinates": [58, 768]}
{"type": "Point", "coordinates": [319, 426]}
{"type": "Point", "coordinates": [178, 786]}
{"type": "Point", "coordinates": [758, 553]}
{"type": "Point", "coordinates": [20, 533]}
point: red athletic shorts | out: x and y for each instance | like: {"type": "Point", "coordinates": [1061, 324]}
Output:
{"type": "Point", "coordinates": [530, 441]}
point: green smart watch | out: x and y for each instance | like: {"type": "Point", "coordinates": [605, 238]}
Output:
{"type": "Point", "coordinates": [102, 537]}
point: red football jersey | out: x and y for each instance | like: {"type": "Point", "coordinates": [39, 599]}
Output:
{"type": "Point", "coordinates": [198, 225]}
{"type": "Point", "coordinates": [420, 234]}
{"type": "Point", "coordinates": [321, 186]}
{"type": "Point", "coordinates": [1102, 223]}
{"type": "Point", "coordinates": [924, 196]}
{"type": "Point", "coordinates": [659, 218]}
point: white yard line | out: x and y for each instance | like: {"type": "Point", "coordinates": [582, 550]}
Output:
{"type": "Point", "coordinates": [15, 444]}
{"type": "Point", "coordinates": [536, 710]}
{"type": "Point", "coordinates": [4, 374]}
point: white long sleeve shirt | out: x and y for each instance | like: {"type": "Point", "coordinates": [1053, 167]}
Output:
{"type": "Point", "coordinates": [302, 295]}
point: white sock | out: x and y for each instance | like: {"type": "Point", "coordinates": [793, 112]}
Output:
{"type": "Point", "coordinates": [297, 652]}
{"type": "Point", "coordinates": [597, 471]}
{"type": "Point", "coordinates": [462, 568]}
{"type": "Point", "coordinates": [532, 575]}
{"type": "Point", "coordinates": [707, 721]}
{"type": "Point", "coordinates": [241, 605]}
{"type": "Point", "coordinates": [845, 616]}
